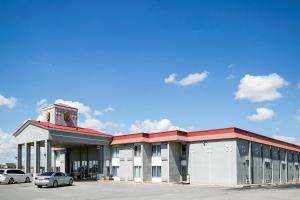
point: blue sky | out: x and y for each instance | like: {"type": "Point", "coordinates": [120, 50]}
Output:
{"type": "Point", "coordinates": [118, 54]}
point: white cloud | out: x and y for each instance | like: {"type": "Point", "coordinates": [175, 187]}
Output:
{"type": "Point", "coordinates": [260, 88]}
{"type": "Point", "coordinates": [101, 112]}
{"type": "Point", "coordinates": [41, 104]}
{"type": "Point", "coordinates": [230, 77]}
{"type": "Point", "coordinates": [98, 113]}
{"type": "Point", "coordinates": [40, 117]}
{"type": "Point", "coordinates": [82, 109]}
{"type": "Point", "coordinates": [231, 65]}
{"type": "Point", "coordinates": [171, 78]}
{"type": "Point", "coordinates": [298, 85]}
{"type": "Point", "coordinates": [191, 79]}
{"type": "Point", "coordinates": [298, 116]}
{"type": "Point", "coordinates": [153, 126]}
{"type": "Point", "coordinates": [286, 139]}
{"type": "Point", "coordinates": [98, 125]}
{"type": "Point", "coordinates": [262, 114]}
{"type": "Point", "coordinates": [10, 102]}
{"type": "Point", "coordinates": [7, 147]}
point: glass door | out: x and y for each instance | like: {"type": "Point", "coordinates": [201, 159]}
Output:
{"type": "Point", "coordinates": [76, 170]}
{"type": "Point", "coordinates": [93, 169]}
{"type": "Point", "coordinates": [84, 170]}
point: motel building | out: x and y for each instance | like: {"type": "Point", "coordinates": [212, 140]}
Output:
{"type": "Point", "coordinates": [228, 156]}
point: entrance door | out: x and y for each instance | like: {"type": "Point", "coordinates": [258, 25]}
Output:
{"type": "Point", "coordinates": [76, 170]}
{"type": "Point", "coordinates": [93, 169]}
{"type": "Point", "coordinates": [85, 162]}
{"type": "Point", "coordinates": [84, 170]}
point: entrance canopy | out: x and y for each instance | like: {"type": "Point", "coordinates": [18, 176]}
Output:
{"type": "Point", "coordinates": [57, 137]}
{"type": "Point", "coordinates": [34, 130]}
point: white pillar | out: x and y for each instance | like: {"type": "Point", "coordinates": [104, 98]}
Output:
{"type": "Point", "coordinates": [37, 160]}
{"type": "Point", "coordinates": [19, 156]}
{"type": "Point", "coordinates": [286, 166]}
{"type": "Point", "coordinates": [250, 162]}
{"type": "Point", "coordinates": [263, 164]}
{"type": "Point", "coordinates": [27, 160]}
{"type": "Point", "coordinates": [272, 166]}
{"type": "Point", "coordinates": [280, 165]}
{"type": "Point", "coordinates": [48, 155]}
{"type": "Point", "coordinates": [106, 159]}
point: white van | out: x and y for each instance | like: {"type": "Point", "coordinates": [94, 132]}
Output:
{"type": "Point", "coordinates": [14, 176]}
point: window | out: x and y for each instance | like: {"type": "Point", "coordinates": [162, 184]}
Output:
{"type": "Point", "coordinates": [183, 150]}
{"type": "Point", "coordinates": [57, 174]}
{"type": "Point", "coordinates": [137, 150]}
{"type": "Point", "coordinates": [268, 165]}
{"type": "Point", "coordinates": [1, 171]}
{"type": "Point", "coordinates": [15, 171]}
{"type": "Point", "coordinates": [156, 150]}
{"type": "Point", "coordinates": [19, 172]}
{"type": "Point", "coordinates": [115, 152]}
{"type": "Point", "coordinates": [47, 174]}
{"type": "Point", "coordinates": [76, 166]}
{"type": "Point", "coordinates": [156, 171]}
{"type": "Point", "coordinates": [137, 171]}
{"type": "Point", "coordinates": [115, 171]}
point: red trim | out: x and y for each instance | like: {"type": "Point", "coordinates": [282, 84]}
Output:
{"type": "Point", "coordinates": [66, 128]}
{"type": "Point", "coordinates": [215, 134]}
{"type": "Point", "coordinates": [176, 135]}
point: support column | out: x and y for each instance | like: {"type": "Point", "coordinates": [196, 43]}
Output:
{"type": "Point", "coordinates": [48, 155]}
{"type": "Point", "coordinates": [272, 166]}
{"type": "Point", "coordinates": [286, 166]}
{"type": "Point", "coordinates": [106, 163]}
{"type": "Point", "coordinates": [100, 159]}
{"type": "Point", "coordinates": [19, 156]}
{"type": "Point", "coordinates": [250, 162]}
{"type": "Point", "coordinates": [37, 159]}
{"type": "Point", "coordinates": [280, 166]}
{"type": "Point", "coordinates": [263, 163]}
{"type": "Point", "coordinates": [28, 159]}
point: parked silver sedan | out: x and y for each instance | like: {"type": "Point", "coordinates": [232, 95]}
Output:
{"type": "Point", "coordinates": [52, 179]}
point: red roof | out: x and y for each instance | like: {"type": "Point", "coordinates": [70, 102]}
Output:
{"type": "Point", "coordinates": [67, 128]}
{"type": "Point", "coordinates": [176, 135]}
{"type": "Point", "coordinates": [205, 135]}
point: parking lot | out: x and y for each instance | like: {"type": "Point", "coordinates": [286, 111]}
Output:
{"type": "Point", "coordinates": [113, 190]}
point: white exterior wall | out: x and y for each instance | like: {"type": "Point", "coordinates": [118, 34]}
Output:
{"type": "Point", "coordinates": [164, 164]}
{"type": "Point", "coordinates": [213, 162]}
{"type": "Point", "coordinates": [126, 163]}
{"type": "Point", "coordinates": [32, 133]}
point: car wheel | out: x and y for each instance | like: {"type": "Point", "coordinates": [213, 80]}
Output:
{"type": "Point", "coordinates": [71, 182]}
{"type": "Point", "coordinates": [55, 184]}
{"type": "Point", "coordinates": [39, 186]}
{"type": "Point", "coordinates": [27, 180]}
{"type": "Point", "coordinates": [11, 181]}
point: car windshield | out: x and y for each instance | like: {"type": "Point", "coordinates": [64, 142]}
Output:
{"type": "Point", "coordinates": [47, 174]}
{"type": "Point", "coordinates": [1, 171]}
